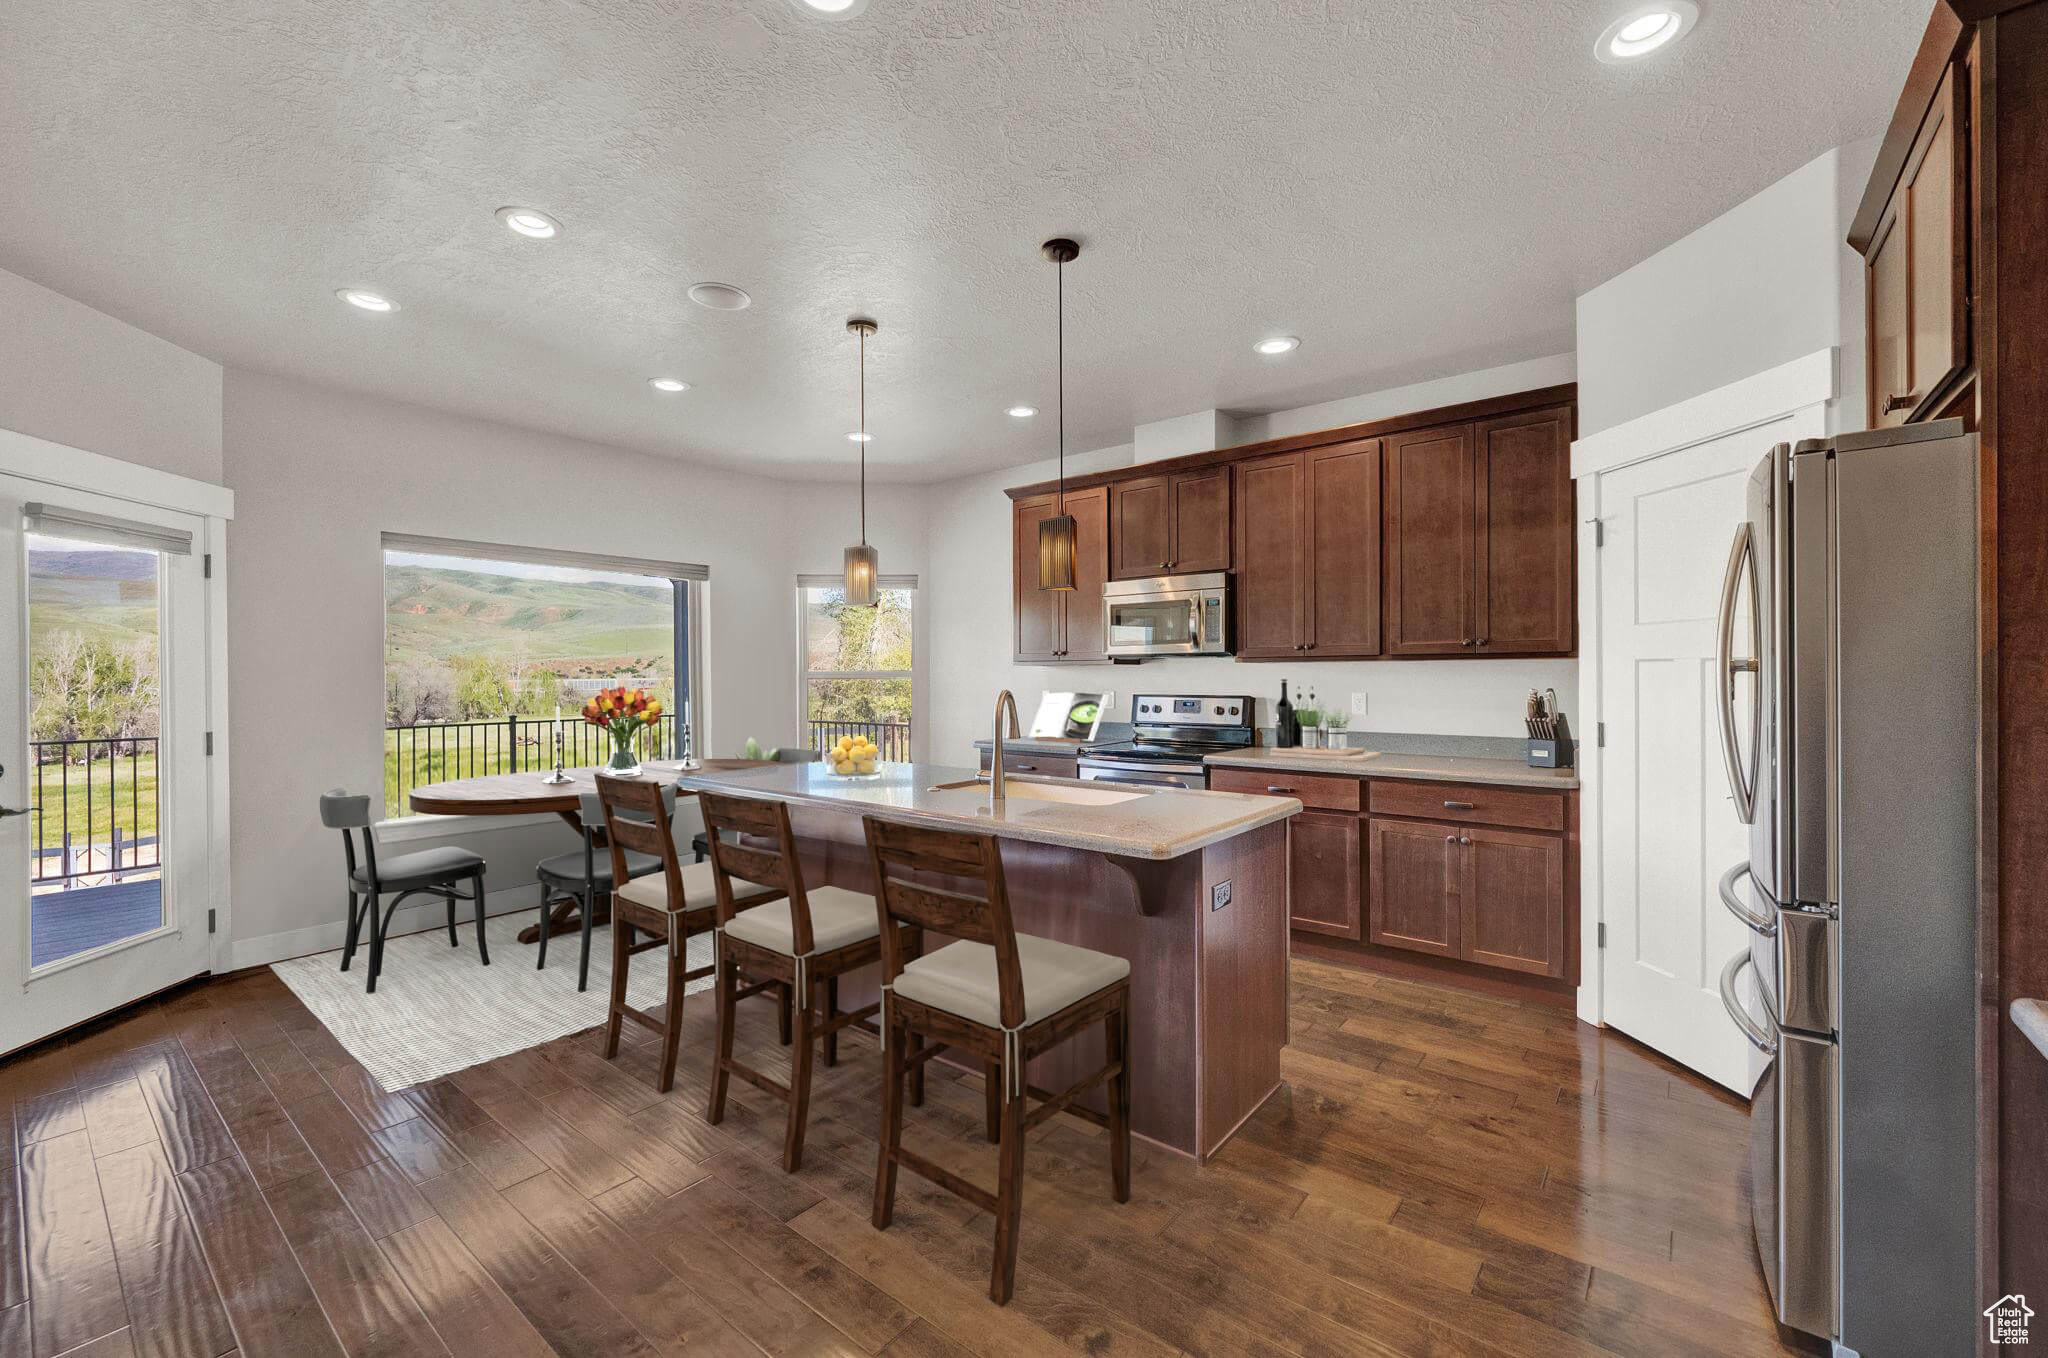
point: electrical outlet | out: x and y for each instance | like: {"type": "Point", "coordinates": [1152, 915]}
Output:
{"type": "Point", "coordinates": [1219, 895]}
{"type": "Point", "coordinates": [1358, 704]}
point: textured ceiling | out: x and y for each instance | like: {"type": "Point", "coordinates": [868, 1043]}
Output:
{"type": "Point", "coordinates": [1414, 189]}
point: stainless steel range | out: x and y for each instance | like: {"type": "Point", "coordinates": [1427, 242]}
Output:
{"type": "Point", "coordinates": [1173, 734]}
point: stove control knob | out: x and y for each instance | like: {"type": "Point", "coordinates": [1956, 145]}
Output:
{"type": "Point", "coordinates": [1219, 709]}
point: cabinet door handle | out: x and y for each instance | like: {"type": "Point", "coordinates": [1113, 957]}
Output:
{"type": "Point", "coordinates": [1894, 404]}
{"type": "Point", "coordinates": [1464, 839]}
{"type": "Point", "coordinates": [1459, 806]}
{"type": "Point", "coordinates": [1450, 839]}
{"type": "Point", "coordinates": [1482, 641]}
{"type": "Point", "coordinates": [1025, 768]}
{"type": "Point", "coordinates": [1283, 791]}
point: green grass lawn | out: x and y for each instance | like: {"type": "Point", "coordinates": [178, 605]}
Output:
{"type": "Point", "coordinates": [122, 792]}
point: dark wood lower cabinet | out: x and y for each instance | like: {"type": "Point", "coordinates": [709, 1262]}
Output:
{"type": "Point", "coordinates": [1323, 862]}
{"type": "Point", "coordinates": [1416, 871]}
{"type": "Point", "coordinates": [1512, 900]}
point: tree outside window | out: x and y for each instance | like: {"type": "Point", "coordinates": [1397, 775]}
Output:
{"type": "Point", "coordinates": [857, 664]}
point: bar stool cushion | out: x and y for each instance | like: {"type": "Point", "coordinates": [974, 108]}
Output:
{"type": "Point", "coordinates": [960, 978]}
{"type": "Point", "coordinates": [426, 867]}
{"type": "Point", "coordinates": [568, 867]}
{"type": "Point", "coordinates": [838, 917]}
{"type": "Point", "coordinates": [698, 890]}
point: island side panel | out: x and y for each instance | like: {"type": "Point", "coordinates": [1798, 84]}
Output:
{"type": "Point", "coordinates": [1144, 912]}
{"type": "Point", "coordinates": [1243, 980]}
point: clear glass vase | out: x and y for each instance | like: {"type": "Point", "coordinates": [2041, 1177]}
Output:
{"type": "Point", "coordinates": [625, 760]}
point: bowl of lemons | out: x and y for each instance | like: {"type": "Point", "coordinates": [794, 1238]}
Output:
{"type": "Point", "coordinates": [853, 757]}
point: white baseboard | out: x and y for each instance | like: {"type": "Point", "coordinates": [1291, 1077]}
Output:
{"type": "Point", "coordinates": [410, 918]}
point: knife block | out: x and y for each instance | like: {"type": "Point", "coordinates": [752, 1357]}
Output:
{"type": "Point", "coordinates": [1552, 754]}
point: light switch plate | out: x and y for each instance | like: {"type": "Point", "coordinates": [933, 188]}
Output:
{"type": "Point", "coordinates": [1219, 895]}
{"type": "Point", "coordinates": [1358, 704]}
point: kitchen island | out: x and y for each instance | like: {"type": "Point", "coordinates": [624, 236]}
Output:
{"type": "Point", "coordinates": [1189, 886]}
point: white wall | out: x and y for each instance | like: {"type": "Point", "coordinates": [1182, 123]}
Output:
{"type": "Point", "coordinates": [79, 377]}
{"type": "Point", "coordinates": [320, 474]}
{"type": "Point", "coordinates": [1768, 281]}
{"type": "Point", "coordinates": [969, 598]}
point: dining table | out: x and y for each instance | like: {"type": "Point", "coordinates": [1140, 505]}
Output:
{"type": "Point", "coordinates": [526, 794]}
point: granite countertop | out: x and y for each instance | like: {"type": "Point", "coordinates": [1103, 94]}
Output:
{"type": "Point", "coordinates": [1379, 764]}
{"type": "Point", "coordinates": [1159, 824]}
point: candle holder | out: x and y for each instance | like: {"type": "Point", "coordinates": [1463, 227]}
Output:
{"type": "Point", "coordinates": [689, 759]}
{"type": "Point", "coordinates": [557, 778]}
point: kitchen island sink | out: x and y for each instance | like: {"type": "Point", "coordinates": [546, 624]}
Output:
{"type": "Point", "coordinates": [1070, 793]}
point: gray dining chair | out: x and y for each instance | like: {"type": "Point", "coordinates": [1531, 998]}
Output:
{"type": "Point", "coordinates": [432, 872]}
{"type": "Point", "coordinates": [581, 874]}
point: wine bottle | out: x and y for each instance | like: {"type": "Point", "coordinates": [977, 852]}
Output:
{"type": "Point", "coordinates": [1285, 733]}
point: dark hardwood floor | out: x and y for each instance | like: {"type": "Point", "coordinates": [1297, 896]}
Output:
{"type": "Point", "coordinates": [1443, 1173]}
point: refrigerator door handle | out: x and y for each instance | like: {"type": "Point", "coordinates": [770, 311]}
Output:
{"type": "Point", "coordinates": [1741, 555]}
{"type": "Point", "coordinates": [1762, 924]}
{"type": "Point", "coordinates": [1759, 1037]}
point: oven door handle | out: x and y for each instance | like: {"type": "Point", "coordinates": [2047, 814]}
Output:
{"type": "Point", "coordinates": [1763, 1040]}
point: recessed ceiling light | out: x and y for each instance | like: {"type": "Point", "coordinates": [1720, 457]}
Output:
{"type": "Point", "coordinates": [857, 437]}
{"type": "Point", "coordinates": [1021, 412]}
{"type": "Point", "coordinates": [668, 384]}
{"type": "Point", "coordinates": [720, 297]}
{"type": "Point", "coordinates": [528, 221]}
{"type": "Point", "coordinates": [1278, 344]}
{"type": "Point", "coordinates": [368, 301]}
{"type": "Point", "coordinates": [1645, 29]}
{"type": "Point", "coordinates": [831, 9]}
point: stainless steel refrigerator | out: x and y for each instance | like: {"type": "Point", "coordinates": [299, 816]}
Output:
{"type": "Point", "coordinates": [1850, 727]}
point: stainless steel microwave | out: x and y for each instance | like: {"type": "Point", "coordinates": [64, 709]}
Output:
{"type": "Point", "coordinates": [1167, 615]}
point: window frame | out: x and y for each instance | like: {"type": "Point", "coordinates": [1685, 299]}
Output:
{"type": "Point", "coordinates": [688, 584]}
{"type": "Point", "coordinates": [804, 674]}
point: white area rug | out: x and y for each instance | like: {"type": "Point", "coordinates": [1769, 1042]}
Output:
{"type": "Point", "coordinates": [438, 1009]}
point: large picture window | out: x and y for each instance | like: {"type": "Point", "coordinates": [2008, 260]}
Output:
{"type": "Point", "coordinates": [486, 646]}
{"type": "Point", "coordinates": [856, 663]}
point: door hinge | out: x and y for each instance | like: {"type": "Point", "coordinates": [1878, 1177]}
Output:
{"type": "Point", "coordinates": [209, 744]}
{"type": "Point", "coordinates": [1600, 734]}
{"type": "Point", "coordinates": [1599, 533]}
{"type": "Point", "coordinates": [206, 566]}
{"type": "Point", "coordinates": [211, 923]}
{"type": "Point", "coordinates": [1600, 934]}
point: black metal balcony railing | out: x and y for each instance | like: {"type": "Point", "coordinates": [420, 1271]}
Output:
{"type": "Point", "coordinates": [435, 752]}
{"type": "Point", "coordinates": [94, 813]}
{"type": "Point", "coordinates": [892, 738]}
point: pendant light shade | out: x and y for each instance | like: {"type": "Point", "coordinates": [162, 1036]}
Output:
{"type": "Point", "coordinates": [861, 564]}
{"type": "Point", "coordinates": [1056, 534]}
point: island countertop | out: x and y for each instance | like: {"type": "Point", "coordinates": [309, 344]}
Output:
{"type": "Point", "coordinates": [1160, 823]}
{"type": "Point", "coordinates": [1427, 767]}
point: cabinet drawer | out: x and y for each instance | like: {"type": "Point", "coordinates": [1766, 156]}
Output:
{"type": "Point", "coordinates": [1046, 765]}
{"type": "Point", "coordinates": [1324, 791]}
{"type": "Point", "coordinates": [1470, 803]}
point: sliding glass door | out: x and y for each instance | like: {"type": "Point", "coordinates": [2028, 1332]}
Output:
{"type": "Point", "coordinates": [105, 888]}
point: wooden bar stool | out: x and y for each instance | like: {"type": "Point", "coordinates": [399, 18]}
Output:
{"type": "Point", "coordinates": [801, 939]}
{"type": "Point", "coordinates": [999, 995]}
{"type": "Point", "coordinates": [670, 906]}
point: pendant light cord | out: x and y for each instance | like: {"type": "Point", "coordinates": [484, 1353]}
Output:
{"type": "Point", "coordinates": [863, 440]}
{"type": "Point", "coordinates": [1060, 292]}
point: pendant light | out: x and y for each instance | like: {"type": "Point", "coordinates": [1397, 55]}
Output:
{"type": "Point", "coordinates": [1056, 534]}
{"type": "Point", "coordinates": [860, 561]}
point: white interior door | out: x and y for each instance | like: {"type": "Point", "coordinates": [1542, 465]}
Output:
{"type": "Point", "coordinates": [106, 884]}
{"type": "Point", "coordinates": [1668, 825]}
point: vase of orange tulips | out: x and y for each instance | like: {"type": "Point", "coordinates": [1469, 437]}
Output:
{"type": "Point", "coordinates": [624, 713]}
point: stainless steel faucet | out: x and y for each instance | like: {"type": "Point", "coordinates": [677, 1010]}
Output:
{"type": "Point", "coordinates": [996, 791]}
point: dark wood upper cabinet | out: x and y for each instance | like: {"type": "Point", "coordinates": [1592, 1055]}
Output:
{"type": "Point", "coordinates": [1081, 634]}
{"type": "Point", "coordinates": [1417, 874]}
{"type": "Point", "coordinates": [1918, 269]}
{"type": "Point", "coordinates": [1511, 900]}
{"type": "Point", "coordinates": [1049, 624]}
{"type": "Point", "coordinates": [1141, 527]}
{"type": "Point", "coordinates": [1430, 542]}
{"type": "Point", "coordinates": [1342, 485]}
{"type": "Point", "coordinates": [1272, 550]}
{"type": "Point", "coordinates": [1523, 544]}
{"type": "Point", "coordinates": [1170, 525]}
{"type": "Point", "coordinates": [1201, 522]}
{"type": "Point", "coordinates": [1036, 612]}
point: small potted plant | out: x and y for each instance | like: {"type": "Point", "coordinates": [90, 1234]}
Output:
{"type": "Point", "coordinates": [1335, 722]}
{"type": "Point", "coordinates": [623, 713]}
{"type": "Point", "coordinates": [1310, 718]}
